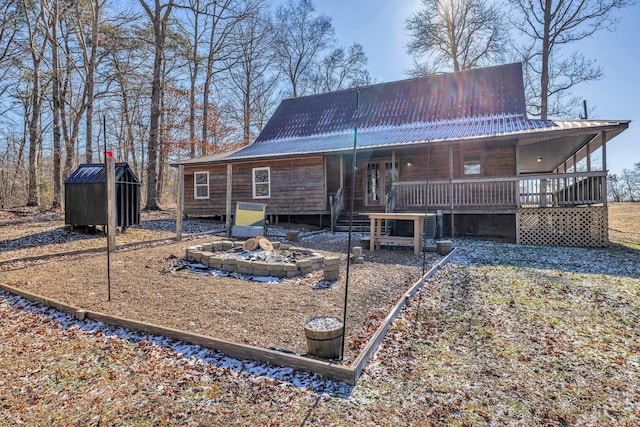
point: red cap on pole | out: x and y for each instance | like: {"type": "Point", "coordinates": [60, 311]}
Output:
{"type": "Point", "coordinates": [108, 154]}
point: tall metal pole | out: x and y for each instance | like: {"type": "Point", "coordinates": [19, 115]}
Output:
{"type": "Point", "coordinates": [352, 196]}
{"type": "Point", "coordinates": [108, 160]}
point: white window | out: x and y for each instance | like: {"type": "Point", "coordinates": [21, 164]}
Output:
{"type": "Point", "coordinates": [472, 165]}
{"type": "Point", "coordinates": [261, 183]}
{"type": "Point", "coordinates": [201, 185]}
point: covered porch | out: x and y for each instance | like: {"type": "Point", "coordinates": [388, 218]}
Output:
{"type": "Point", "coordinates": [555, 195]}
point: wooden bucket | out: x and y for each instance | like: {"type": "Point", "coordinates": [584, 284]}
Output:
{"type": "Point", "coordinates": [444, 246]}
{"type": "Point", "coordinates": [326, 342]}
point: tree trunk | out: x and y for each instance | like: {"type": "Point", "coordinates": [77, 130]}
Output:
{"type": "Point", "coordinates": [90, 85]}
{"type": "Point", "coordinates": [56, 78]}
{"type": "Point", "coordinates": [159, 20]}
{"type": "Point", "coordinates": [544, 72]}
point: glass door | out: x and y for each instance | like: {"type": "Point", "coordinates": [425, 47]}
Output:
{"type": "Point", "coordinates": [380, 176]}
{"type": "Point", "coordinates": [374, 184]}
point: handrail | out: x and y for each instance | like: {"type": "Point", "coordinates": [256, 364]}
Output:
{"type": "Point", "coordinates": [337, 204]}
{"type": "Point", "coordinates": [539, 190]}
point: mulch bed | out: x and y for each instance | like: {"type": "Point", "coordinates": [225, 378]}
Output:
{"type": "Point", "coordinates": [145, 287]}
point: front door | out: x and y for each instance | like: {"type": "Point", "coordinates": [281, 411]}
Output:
{"type": "Point", "coordinates": [380, 176]}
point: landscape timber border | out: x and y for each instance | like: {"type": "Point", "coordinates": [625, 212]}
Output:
{"type": "Point", "coordinates": [347, 374]}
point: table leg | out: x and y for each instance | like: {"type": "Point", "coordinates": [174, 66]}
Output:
{"type": "Point", "coordinates": [379, 232]}
{"type": "Point", "coordinates": [418, 227]}
{"type": "Point", "coordinates": [372, 232]}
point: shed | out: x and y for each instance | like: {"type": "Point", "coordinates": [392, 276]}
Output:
{"type": "Point", "coordinates": [86, 196]}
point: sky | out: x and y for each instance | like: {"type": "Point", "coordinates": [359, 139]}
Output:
{"type": "Point", "coordinates": [378, 25]}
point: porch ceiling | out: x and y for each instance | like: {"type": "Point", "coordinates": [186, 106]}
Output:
{"type": "Point", "coordinates": [545, 155]}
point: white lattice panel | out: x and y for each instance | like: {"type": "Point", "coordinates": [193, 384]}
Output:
{"type": "Point", "coordinates": [582, 226]}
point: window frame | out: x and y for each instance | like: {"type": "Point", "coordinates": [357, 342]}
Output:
{"type": "Point", "coordinates": [254, 184]}
{"type": "Point", "coordinates": [196, 185]}
{"type": "Point", "coordinates": [470, 158]}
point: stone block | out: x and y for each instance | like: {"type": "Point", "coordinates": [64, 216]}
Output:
{"type": "Point", "coordinates": [244, 263]}
{"type": "Point", "coordinates": [230, 261]}
{"type": "Point", "coordinates": [206, 247]}
{"type": "Point", "coordinates": [214, 261]}
{"type": "Point", "coordinates": [331, 268]}
{"type": "Point", "coordinates": [304, 263]}
{"type": "Point", "coordinates": [332, 261]}
{"type": "Point", "coordinates": [226, 245]}
{"type": "Point", "coordinates": [196, 256]}
{"type": "Point", "coordinates": [216, 246]}
{"type": "Point", "coordinates": [292, 236]}
{"type": "Point", "coordinates": [331, 276]}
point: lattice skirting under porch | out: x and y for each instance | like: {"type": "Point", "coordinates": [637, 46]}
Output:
{"type": "Point", "coordinates": [580, 226]}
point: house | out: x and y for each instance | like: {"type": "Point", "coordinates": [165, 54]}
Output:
{"type": "Point", "coordinates": [460, 144]}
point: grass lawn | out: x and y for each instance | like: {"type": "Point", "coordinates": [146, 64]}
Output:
{"type": "Point", "coordinates": [503, 335]}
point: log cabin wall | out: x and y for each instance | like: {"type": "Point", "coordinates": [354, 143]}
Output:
{"type": "Point", "coordinates": [297, 187]}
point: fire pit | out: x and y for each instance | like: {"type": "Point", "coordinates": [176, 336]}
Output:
{"type": "Point", "coordinates": [283, 261]}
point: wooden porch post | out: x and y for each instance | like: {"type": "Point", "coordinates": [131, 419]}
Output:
{"type": "Point", "coordinates": [228, 206]}
{"type": "Point", "coordinates": [517, 191]}
{"type": "Point", "coordinates": [605, 195]}
{"type": "Point", "coordinates": [341, 171]}
{"type": "Point", "coordinates": [589, 156]}
{"type": "Point", "coordinates": [451, 187]}
{"type": "Point", "coordinates": [180, 203]}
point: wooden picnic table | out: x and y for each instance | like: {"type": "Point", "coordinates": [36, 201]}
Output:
{"type": "Point", "coordinates": [376, 235]}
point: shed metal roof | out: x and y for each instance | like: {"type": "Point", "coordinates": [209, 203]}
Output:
{"type": "Point", "coordinates": [96, 172]}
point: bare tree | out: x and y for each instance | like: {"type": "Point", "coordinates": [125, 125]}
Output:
{"type": "Point", "coordinates": [87, 20]}
{"type": "Point", "coordinates": [340, 70]}
{"type": "Point", "coordinates": [159, 17]}
{"type": "Point", "coordinates": [550, 25]}
{"type": "Point", "coordinates": [253, 77]}
{"type": "Point", "coordinates": [300, 38]}
{"type": "Point", "coordinates": [454, 35]}
{"type": "Point", "coordinates": [34, 18]}
{"type": "Point", "coordinates": [8, 31]}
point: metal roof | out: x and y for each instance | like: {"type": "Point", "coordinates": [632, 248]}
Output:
{"type": "Point", "coordinates": [483, 92]}
{"type": "Point", "coordinates": [454, 107]}
{"type": "Point", "coordinates": [96, 172]}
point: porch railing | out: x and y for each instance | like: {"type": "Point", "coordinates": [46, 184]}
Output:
{"type": "Point", "coordinates": [337, 204]}
{"type": "Point", "coordinates": [552, 190]}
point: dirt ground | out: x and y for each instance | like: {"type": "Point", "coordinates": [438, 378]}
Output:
{"type": "Point", "coordinates": [143, 286]}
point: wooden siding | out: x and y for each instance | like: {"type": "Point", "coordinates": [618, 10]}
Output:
{"type": "Point", "coordinates": [298, 187]}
